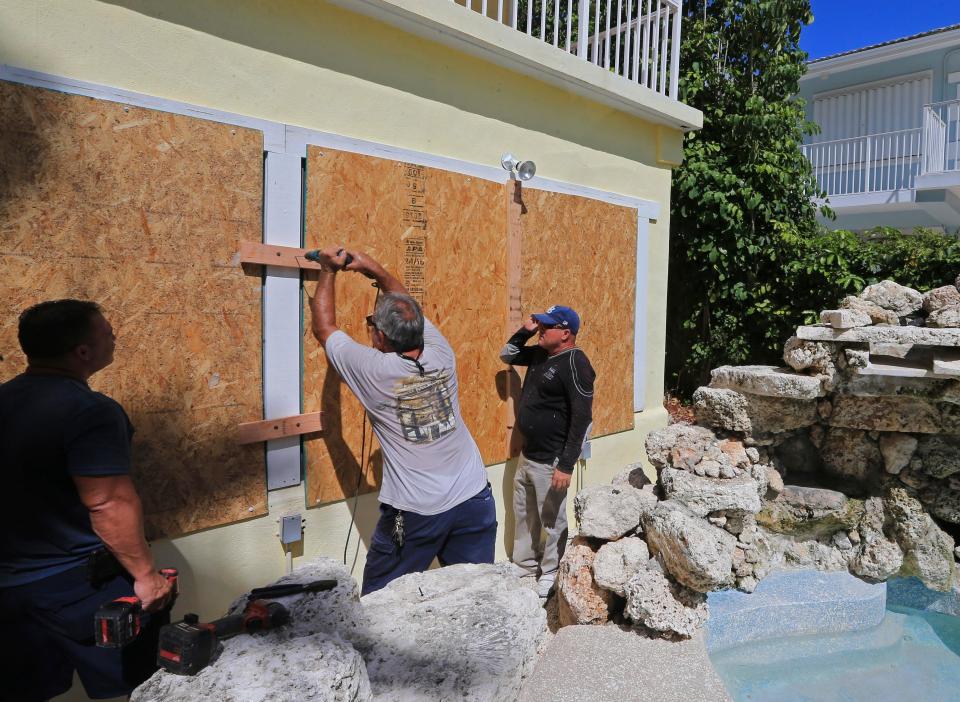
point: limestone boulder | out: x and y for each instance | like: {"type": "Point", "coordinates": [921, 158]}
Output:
{"type": "Point", "coordinates": [694, 552]}
{"type": "Point", "coordinates": [775, 484]}
{"type": "Point", "coordinates": [878, 557]}
{"type": "Point", "coordinates": [269, 666]}
{"type": "Point", "coordinates": [810, 554]}
{"type": "Point", "coordinates": [768, 381]}
{"type": "Point", "coordinates": [845, 319]}
{"type": "Point", "coordinates": [851, 454]}
{"type": "Point", "coordinates": [653, 601]}
{"type": "Point", "coordinates": [731, 410]}
{"type": "Point", "coordinates": [611, 511]}
{"type": "Point", "coordinates": [580, 599]}
{"type": "Point", "coordinates": [661, 443]}
{"type": "Point", "coordinates": [460, 632]}
{"type": "Point", "coordinates": [945, 317]}
{"type": "Point", "coordinates": [808, 355]}
{"type": "Point", "coordinates": [632, 475]}
{"type": "Point", "coordinates": [939, 455]}
{"type": "Point", "coordinates": [896, 414]}
{"type": "Point", "coordinates": [941, 297]}
{"type": "Point", "coordinates": [897, 450]}
{"type": "Point", "coordinates": [704, 495]}
{"type": "Point", "coordinates": [877, 314]}
{"type": "Point", "coordinates": [810, 513]}
{"type": "Point", "coordinates": [927, 549]}
{"type": "Point", "coordinates": [617, 561]}
{"type": "Point", "coordinates": [944, 504]}
{"type": "Point", "coordinates": [901, 300]}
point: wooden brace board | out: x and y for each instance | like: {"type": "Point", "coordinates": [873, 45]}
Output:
{"type": "Point", "coordinates": [142, 211]}
{"type": "Point", "coordinates": [441, 233]}
{"type": "Point", "coordinates": [269, 429]}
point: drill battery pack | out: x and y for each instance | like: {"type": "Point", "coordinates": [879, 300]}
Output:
{"type": "Point", "coordinates": [186, 647]}
{"type": "Point", "coordinates": [117, 622]}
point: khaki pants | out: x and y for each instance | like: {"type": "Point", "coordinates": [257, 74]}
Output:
{"type": "Point", "coordinates": [537, 507]}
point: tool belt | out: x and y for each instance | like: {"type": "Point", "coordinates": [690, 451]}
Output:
{"type": "Point", "coordinates": [102, 567]}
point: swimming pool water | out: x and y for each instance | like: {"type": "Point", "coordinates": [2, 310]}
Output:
{"type": "Point", "coordinates": [911, 656]}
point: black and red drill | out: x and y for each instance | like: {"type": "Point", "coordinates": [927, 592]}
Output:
{"type": "Point", "coordinates": [189, 646]}
{"type": "Point", "coordinates": [117, 623]}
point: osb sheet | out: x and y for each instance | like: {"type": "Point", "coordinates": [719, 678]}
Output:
{"type": "Point", "coordinates": [582, 253]}
{"type": "Point", "coordinates": [442, 233]}
{"type": "Point", "coordinates": [142, 211]}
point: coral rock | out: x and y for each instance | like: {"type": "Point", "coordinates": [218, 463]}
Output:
{"type": "Point", "coordinates": [695, 553]}
{"type": "Point", "coordinates": [580, 599]}
{"type": "Point", "coordinates": [618, 561]}
{"type": "Point", "coordinates": [894, 297]}
{"type": "Point", "coordinates": [610, 511]}
{"type": "Point", "coordinates": [658, 604]}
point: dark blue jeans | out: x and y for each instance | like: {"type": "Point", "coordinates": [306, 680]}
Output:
{"type": "Point", "coordinates": [48, 625]}
{"type": "Point", "coordinates": [466, 533]}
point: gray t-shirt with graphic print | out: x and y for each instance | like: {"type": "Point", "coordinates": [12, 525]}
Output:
{"type": "Point", "coordinates": [430, 461]}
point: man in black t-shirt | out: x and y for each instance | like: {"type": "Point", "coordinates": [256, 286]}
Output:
{"type": "Point", "coordinates": [71, 531]}
{"type": "Point", "coordinates": [554, 417]}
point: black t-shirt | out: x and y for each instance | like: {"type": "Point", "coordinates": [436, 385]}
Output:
{"type": "Point", "coordinates": [51, 428]}
{"type": "Point", "coordinates": [556, 402]}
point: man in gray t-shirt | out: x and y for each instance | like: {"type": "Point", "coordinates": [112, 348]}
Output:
{"type": "Point", "coordinates": [435, 500]}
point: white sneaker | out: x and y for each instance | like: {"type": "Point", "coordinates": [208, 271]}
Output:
{"type": "Point", "coordinates": [545, 585]}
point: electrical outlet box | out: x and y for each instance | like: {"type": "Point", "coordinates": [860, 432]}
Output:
{"type": "Point", "coordinates": [291, 529]}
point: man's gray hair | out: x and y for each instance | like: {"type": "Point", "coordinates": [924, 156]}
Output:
{"type": "Point", "coordinates": [400, 319]}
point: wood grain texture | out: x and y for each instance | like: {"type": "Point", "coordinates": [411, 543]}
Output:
{"type": "Point", "coordinates": [142, 212]}
{"type": "Point", "coordinates": [443, 234]}
{"type": "Point", "coordinates": [582, 253]}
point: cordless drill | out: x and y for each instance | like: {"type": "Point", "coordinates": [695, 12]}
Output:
{"type": "Point", "coordinates": [188, 647]}
{"type": "Point", "coordinates": [117, 623]}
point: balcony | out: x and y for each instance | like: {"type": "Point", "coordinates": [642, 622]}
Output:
{"type": "Point", "coordinates": [915, 168]}
{"type": "Point", "coordinates": [623, 53]}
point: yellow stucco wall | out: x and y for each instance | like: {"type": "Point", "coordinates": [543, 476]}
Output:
{"type": "Point", "coordinates": [312, 64]}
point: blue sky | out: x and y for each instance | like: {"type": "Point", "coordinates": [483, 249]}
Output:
{"type": "Point", "coordinates": [842, 25]}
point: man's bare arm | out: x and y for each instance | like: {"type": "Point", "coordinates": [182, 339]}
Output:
{"type": "Point", "coordinates": [116, 516]}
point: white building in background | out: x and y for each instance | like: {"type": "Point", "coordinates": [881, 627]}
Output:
{"type": "Point", "coordinates": [888, 152]}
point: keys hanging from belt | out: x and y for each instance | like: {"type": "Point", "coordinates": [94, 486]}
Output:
{"type": "Point", "coordinates": [397, 534]}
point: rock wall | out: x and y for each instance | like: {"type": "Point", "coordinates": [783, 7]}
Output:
{"type": "Point", "coordinates": [848, 458]}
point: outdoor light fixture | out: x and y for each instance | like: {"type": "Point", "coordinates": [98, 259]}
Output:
{"type": "Point", "coordinates": [521, 170]}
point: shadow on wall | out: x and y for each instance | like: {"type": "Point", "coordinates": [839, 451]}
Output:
{"type": "Point", "coordinates": [22, 150]}
{"type": "Point", "coordinates": [297, 31]}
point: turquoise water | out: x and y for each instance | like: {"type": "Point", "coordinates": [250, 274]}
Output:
{"type": "Point", "coordinates": [911, 656]}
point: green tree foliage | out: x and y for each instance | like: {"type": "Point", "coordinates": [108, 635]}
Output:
{"type": "Point", "coordinates": [743, 198]}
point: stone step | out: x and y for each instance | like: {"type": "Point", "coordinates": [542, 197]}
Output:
{"type": "Point", "coordinates": [791, 602]}
{"type": "Point", "coordinates": [883, 334]}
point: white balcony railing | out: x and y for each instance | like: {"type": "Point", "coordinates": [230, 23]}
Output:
{"type": "Point", "coordinates": [867, 164]}
{"type": "Point", "coordinates": [636, 39]}
{"type": "Point", "coordinates": [941, 137]}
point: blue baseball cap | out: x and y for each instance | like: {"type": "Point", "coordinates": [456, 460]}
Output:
{"type": "Point", "coordinates": [560, 317]}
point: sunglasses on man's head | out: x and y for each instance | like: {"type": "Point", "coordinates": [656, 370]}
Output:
{"type": "Point", "coordinates": [551, 326]}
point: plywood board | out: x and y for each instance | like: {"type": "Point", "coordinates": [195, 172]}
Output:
{"type": "Point", "coordinates": [443, 234]}
{"type": "Point", "coordinates": [142, 212]}
{"type": "Point", "coordinates": [582, 253]}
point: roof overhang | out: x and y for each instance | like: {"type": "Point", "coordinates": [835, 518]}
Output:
{"type": "Point", "coordinates": [879, 54]}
